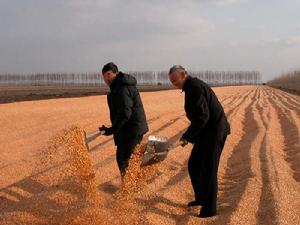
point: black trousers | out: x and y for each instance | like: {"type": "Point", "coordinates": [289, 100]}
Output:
{"type": "Point", "coordinates": [203, 170]}
{"type": "Point", "coordinates": [124, 152]}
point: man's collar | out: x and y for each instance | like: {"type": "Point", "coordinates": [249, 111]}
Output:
{"type": "Point", "coordinates": [186, 83]}
{"type": "Point", "coordinates": [115, 80]}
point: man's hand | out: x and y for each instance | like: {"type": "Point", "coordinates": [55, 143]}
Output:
{"type": "Point", "coordinates": [183, 142]}
{"type": "Point", "coordinates": [107, 130]}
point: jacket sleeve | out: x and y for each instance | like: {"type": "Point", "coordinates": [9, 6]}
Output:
{"type": "Point", "coordinates": [124, 106]}
{"type": "Point", "coordinates": [199, 115]}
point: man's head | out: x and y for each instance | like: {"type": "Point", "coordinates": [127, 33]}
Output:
{"type": "Point", "coordinates": [109, 72]}
{"type": "Point", "coordinates": [177, 76]}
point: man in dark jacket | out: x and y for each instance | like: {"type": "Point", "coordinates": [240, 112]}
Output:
{"type": "Point", "coordinates": [127, 114]}
{"type": "Point", "coordinates": [207, 131]}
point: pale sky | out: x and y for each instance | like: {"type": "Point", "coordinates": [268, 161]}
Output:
{"type": "Point", "coordinates": [82, 35]}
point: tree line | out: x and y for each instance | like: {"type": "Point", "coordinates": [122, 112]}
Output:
{"type": "Point", "coordinates": [290, 80]}
{"type": "Point", "coordinates": [214, 78]}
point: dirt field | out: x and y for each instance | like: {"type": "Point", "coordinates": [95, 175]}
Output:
{"type": "Point", "coordinates": [9, 94]}
{"type": "Point", "coordinates": [259, 175]}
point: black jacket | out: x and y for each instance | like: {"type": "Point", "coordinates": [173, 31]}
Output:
{"type": "Point", "coordinates": [127, 113]}
{"type": "Point", "coordinates": [206, 114]}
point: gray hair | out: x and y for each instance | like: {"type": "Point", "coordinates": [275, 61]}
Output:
{"type": "Point", "coordinates": [177, 68]}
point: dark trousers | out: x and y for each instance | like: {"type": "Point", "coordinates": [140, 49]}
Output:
{"type": "Point", "coordinates": [203, 170]}
{"type": "Point", "coordinates": [124, 152]}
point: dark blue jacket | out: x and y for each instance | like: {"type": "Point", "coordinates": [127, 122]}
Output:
{"type": "Point", "coordinates": [205, 112]}
{"type": "Point", "coordinates": [127, 113]}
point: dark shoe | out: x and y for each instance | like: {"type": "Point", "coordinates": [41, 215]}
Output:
{"type": "Point", "coordinates": [204, 213]}
{"type": "Point", "coordinates": [194, 203]}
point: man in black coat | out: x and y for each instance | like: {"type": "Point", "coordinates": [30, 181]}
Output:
{"type": "Point", "coordinates": [127, 114]}
{"type": "Point", "coordinates": [207, 131]}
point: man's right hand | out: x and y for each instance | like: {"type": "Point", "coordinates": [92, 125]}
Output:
{"type": "Point", "coordinates": [183, 142]}
{"type": "Point", "coordinates": [107, 130]}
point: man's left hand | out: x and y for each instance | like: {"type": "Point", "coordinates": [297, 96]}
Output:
{"type": "Point", "coordinates": [183, 142]}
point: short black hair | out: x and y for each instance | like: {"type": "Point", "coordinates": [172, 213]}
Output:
{"type": "Point", "coordinates": [110, 66]}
